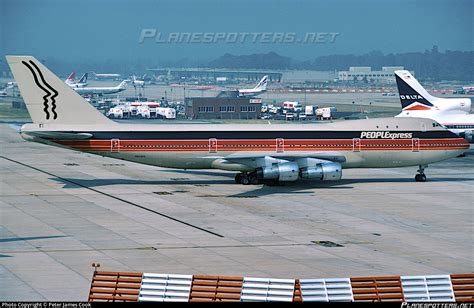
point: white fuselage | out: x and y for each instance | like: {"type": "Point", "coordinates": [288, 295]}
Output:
{"type": "Point", "coordinates": [374, 143]}
{"type": "Point", "coordinates": [460, 105]}
{"type": "Point", "coordinates": [250, 92]}
{"type": "Point", "coordinates": [77, 85]}
{"type": "Point", "coordinates": [98, 90]}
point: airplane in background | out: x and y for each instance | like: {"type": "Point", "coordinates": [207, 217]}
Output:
{"type": "Point", "coordinates": [10, 85]}
{"type": "Point", "coordinates": [138, 83]}
{"type": "Point", "coordinates": [260, 153]}
{"type": "Point", "coordinates": [452, 113]}
{"type": "Point", "coordinates": [80, 84]}
{"type": "Point", "coordinates": [260, 88]}
{"type": "Point", "coordinates": [102, 90]}
{"type": "Point", "coordinates": [468, 90]}
{"type": "Point", "coordinates": [70, 79]}
{"type": "Point", "coordinates": [415, 98]}
{"type": "Point", "coordinates": [464, 90]}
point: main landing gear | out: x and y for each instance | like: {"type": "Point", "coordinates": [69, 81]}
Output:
{"type": "Point", "coordinates": [252, 179]}
{"type": "Point", "coordinates": [421, 177]}
{"type": "Point", "coordinates": [246, 178]}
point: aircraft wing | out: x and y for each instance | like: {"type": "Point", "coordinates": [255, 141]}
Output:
{"type": "Point", "coordinates": [329, 156]}
{"type": "Point", "coordinates": [251, 161]}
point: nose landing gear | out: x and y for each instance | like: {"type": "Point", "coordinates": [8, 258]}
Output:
{"type": "Point", "coordinates": [421, 177]}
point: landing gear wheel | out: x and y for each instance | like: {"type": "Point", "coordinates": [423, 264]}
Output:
{"type": "Point", "coordinates": [238, 178]}
{"type": "Point", "coordinates": [244, 179]}
{"type": "Point", "coordinates": [253, 180]}
{"type": "Point", "coordinates": [420, 178]}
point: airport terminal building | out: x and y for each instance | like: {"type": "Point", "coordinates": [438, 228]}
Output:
{"type": "Point", "coordinates": [223, 108]}
{"type": "Point", "coordinates": [359, 73]}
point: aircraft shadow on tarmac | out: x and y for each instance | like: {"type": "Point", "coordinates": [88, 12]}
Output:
{"type": "Point", "coordinates": [298, 187]}
{"type": "Point", "coordinates": [74, 183]}
{"type": "Point", "coordinates": [31, 238]}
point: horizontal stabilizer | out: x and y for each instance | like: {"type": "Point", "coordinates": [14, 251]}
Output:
{"type": "Point", "coordinates": [60, 135]}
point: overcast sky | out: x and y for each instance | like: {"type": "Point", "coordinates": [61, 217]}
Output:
{"type": "Point", "coordinates": [101, 30]}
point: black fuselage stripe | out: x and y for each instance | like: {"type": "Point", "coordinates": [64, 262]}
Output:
{"type": "Point", "coordinates": [249, 135]}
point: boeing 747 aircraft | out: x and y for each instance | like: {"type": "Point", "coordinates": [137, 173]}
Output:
{"type": "Point", "coordinates": [259, 153]}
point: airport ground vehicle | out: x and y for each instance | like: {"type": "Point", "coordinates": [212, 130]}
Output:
{"type": "Point", "coordinates": [325, 113]}
{"type": "Point", "coordinates": [148, 112]}
{"type": "Point", "coordinates": [118, 112]}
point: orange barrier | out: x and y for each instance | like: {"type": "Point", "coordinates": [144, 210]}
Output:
{"type": "Point", "coordinates": [115, 286]}
{"type": "Point", "coordinates": [215, 288]}
{"type": "Point", "coordinates": [463, 287]}
{"type": "Point", "coordinates": [377, 289]}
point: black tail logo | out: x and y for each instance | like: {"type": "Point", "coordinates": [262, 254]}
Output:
{"type": "Point", "coordinates": [47, 88]}
{"type": "Point", "coordinates": [408, 95]}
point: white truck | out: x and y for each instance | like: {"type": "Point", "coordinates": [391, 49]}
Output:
{"type": "Point", "coordinates": [148, 112]}
{"type": "Point", "coordinates": [166, 112]}
{"type": "Point", "coordinates": [118, 112]}
{"type": "Point", "coordinates": [145, 112]}
{"type": "Point", "coordinates": [325, 113]}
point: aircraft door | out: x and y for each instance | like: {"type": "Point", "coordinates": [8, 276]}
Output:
{"type": "Point", "coordinates": [115, 145]}
{"type": "Point", "coordinates": [212, 145]}
{"type": "Point", "coordinates": [280, 145]}
{"type": "Point", "coordinates": [356, 145]}
{"type": "Point", "coordinates": [415, 144]}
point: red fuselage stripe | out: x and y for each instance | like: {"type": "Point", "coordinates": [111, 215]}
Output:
{"type": "Point", "coordinates": [266, 145]}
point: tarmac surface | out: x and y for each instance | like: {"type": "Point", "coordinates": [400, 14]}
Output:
{"type": "Point", "coordinates": [63, 210]}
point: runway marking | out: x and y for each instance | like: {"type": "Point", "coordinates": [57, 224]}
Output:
{"type": "Point", "coordinates": [112, 196]}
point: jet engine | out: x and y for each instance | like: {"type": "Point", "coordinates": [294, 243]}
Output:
{"type": "Point", "coordinates": [329, 171]}
{"type": "Point", "coordinates": [285, 172]}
